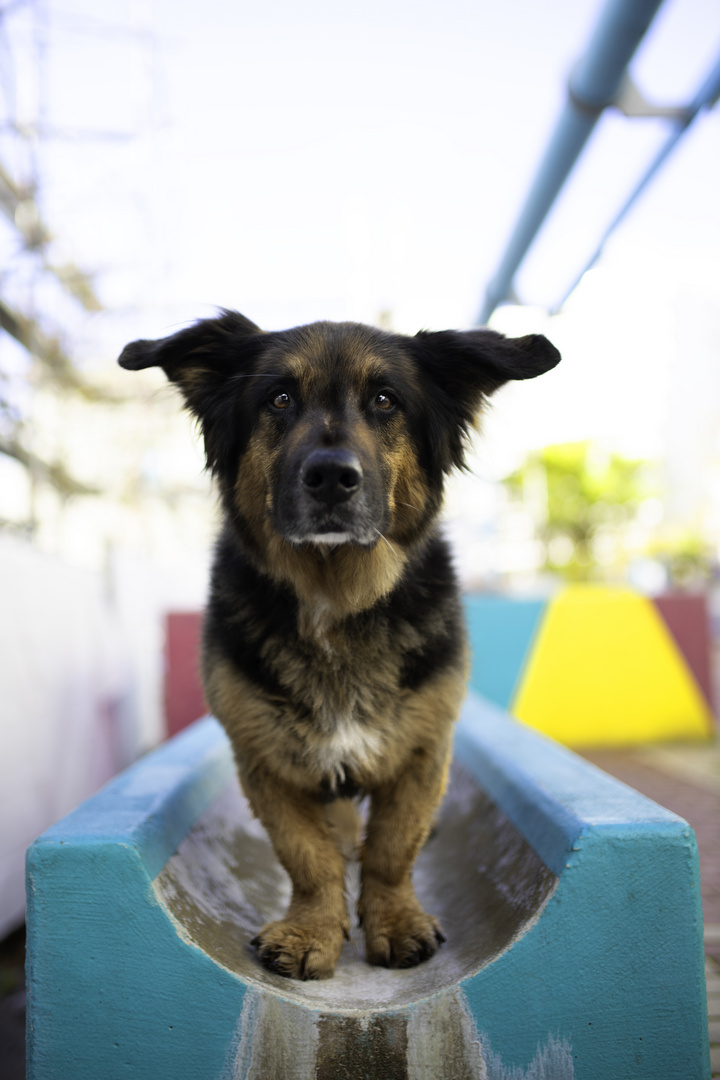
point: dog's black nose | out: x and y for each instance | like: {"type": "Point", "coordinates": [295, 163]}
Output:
{"type": "Point", "coordinates": [332, 476]}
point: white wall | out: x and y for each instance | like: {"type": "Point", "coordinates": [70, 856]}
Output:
{"type": "Point", "coordinates": [66, 724]}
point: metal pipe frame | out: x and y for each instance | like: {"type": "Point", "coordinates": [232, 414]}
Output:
{"type": "Point", "coordinates": [594, 84]}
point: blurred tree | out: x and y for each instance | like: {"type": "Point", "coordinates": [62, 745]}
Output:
{"type": "Point", "coordinates": [582, 499]}
{"type": "Point", "coordinates": [39, 295]}
{"type": "Point", "coordinates": [689, 559]}
{"type": "Point", "coordinates": [90, 464]}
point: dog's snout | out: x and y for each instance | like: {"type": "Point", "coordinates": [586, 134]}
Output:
{"type": "Point", "coordinates": [332, 476]}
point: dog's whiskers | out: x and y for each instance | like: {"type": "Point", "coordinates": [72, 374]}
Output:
{"type": "Point", "coordinates": [392, 548]}
{"type": "Point", "coordinates": [254, 375]}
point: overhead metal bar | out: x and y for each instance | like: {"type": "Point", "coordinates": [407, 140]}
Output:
{"type": "Point", "coordinates": [706, 97]}
{"type": "Point", "coordinates": [594, 84]}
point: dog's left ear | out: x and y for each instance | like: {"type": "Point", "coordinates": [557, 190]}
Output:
{"type": "Point", "coordinates": [466, 366]}
{"type": "Point", "coordinates": [478, 362]}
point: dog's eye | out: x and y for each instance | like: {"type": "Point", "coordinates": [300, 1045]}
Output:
{"type": "Point", "coordinates": [384, 402]}
{"type": "Point", "coordinates": [281, 400]}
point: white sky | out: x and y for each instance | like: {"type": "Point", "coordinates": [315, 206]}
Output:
{"type": "Point", "coordinates": [328, 160]}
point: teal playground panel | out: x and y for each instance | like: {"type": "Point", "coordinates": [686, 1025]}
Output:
{"type": "Point", "coordinates": [501, 632]}
{"type": "Point", "coordinates": [571, 905]}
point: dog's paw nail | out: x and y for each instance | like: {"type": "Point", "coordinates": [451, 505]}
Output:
{"type": "Point", "coordinates": [440, 937]}
{"type": "Point", "coordinates": [411, 960]}
{"type": "Point", "coordinates": [255, 942]}
{"type": "Point", "coordinates": [303, 973]}
{"type": "Point", "coordinates": [271, 961]}
{"type": "Point", "coordinates": [273, 964]}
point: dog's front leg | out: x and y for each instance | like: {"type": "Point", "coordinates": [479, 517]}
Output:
{"type": "Point", "coordinates": [398, 932]}
{"type": "Point", "coordinates": [306, 943]}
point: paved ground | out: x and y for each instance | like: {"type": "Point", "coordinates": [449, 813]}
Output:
{"type": "Point", "coordinates": [12, 1007]}
{"type": "Point", "coordinates": [712, 975]}
{"type": "Point", "coordinates": [684, 778]}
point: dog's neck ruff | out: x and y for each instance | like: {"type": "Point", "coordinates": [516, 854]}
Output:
{"type": "Point", "coordinates": [342, 576]}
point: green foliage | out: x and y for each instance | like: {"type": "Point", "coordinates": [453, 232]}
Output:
{"type": "Point", "coordinates": [687, 556]}
{"type": "Point", "coordinates": [582, 499]}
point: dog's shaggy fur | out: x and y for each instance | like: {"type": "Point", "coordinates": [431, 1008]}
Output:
{"type": "Point", "coordinates": [334, 649]}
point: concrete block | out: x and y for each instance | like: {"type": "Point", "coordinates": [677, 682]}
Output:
{"type": "Point", "coordinates": [570, 902]}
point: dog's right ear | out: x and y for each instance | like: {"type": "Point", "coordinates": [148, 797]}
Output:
{"type": "Point", "coordinates": [201, 360]}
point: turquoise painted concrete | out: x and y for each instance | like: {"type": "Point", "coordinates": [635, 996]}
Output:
{"type": "Point", "coordinates": [549, 793]}
{"type": "Point", "coordinates": [613, 966]}
{"type": "Point", "coordinates": [501, 634]}
{"type": "Point", "coordinates": [615, 962]}
{"type": "Point", "coordinates": [112, 991]}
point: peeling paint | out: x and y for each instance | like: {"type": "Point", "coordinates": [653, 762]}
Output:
{"type": "Point", "coordinates": [278, 1038]}
{"type": "Point", "coordinates": [554, 1061]}
{"type": "Point", "coordinates": [434, 1040]}
{"type": "Point", "coordinates": [443, 1043]}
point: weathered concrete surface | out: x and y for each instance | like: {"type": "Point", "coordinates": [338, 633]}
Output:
{"type": "Point", "coordinates": [435, 1039]}
{"type": "Point", "coordinates": [476, 873]}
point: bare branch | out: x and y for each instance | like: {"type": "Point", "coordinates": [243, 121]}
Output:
{"type": "Point", "coordinates": [17, 203]}
{"type": "Point", "coordinates": [49, 352]}
{"type": "Point", "coordinates": [53, 472]}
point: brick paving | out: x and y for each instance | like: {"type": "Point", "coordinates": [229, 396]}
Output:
{"type": "Point", "coordinates": [712, 975]}
{"type": "Point", "coordinates": [12, 1006]}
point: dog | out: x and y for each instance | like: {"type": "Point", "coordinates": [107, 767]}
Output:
{"type": "Point", "coordinates": [334, 649]}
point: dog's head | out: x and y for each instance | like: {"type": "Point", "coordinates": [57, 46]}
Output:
{"type": "Point", "coordinates": [335, 434]}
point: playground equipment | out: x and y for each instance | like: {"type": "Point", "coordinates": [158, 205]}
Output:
{"type": "Point", "coordinates": [596, 665]}
{"type": "Point", "coordinates": [570, 902]}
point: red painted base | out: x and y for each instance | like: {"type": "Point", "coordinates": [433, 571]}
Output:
{"type": "Point", "coordinates": [184, 701]}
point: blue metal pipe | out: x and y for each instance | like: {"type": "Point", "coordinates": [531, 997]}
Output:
{"type": "Point", "coordinates": [593, 84]}
{"type": "Point", "coordinates": [706, 96]}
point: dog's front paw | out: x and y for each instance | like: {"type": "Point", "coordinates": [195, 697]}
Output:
{"type": "Point", "coordinates": [398, 933]}
{"type": "Point", "coordinates": [299, 951]}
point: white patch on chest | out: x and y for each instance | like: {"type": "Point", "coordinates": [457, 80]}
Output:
{"type": "Point", "coordinates": [349, 746]}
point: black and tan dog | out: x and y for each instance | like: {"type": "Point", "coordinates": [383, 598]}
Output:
{"type": "Point", "coordinates": [334, 649]}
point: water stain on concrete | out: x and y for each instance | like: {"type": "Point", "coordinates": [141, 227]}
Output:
{"type": "Point", "coordinates": [432, 1040]}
